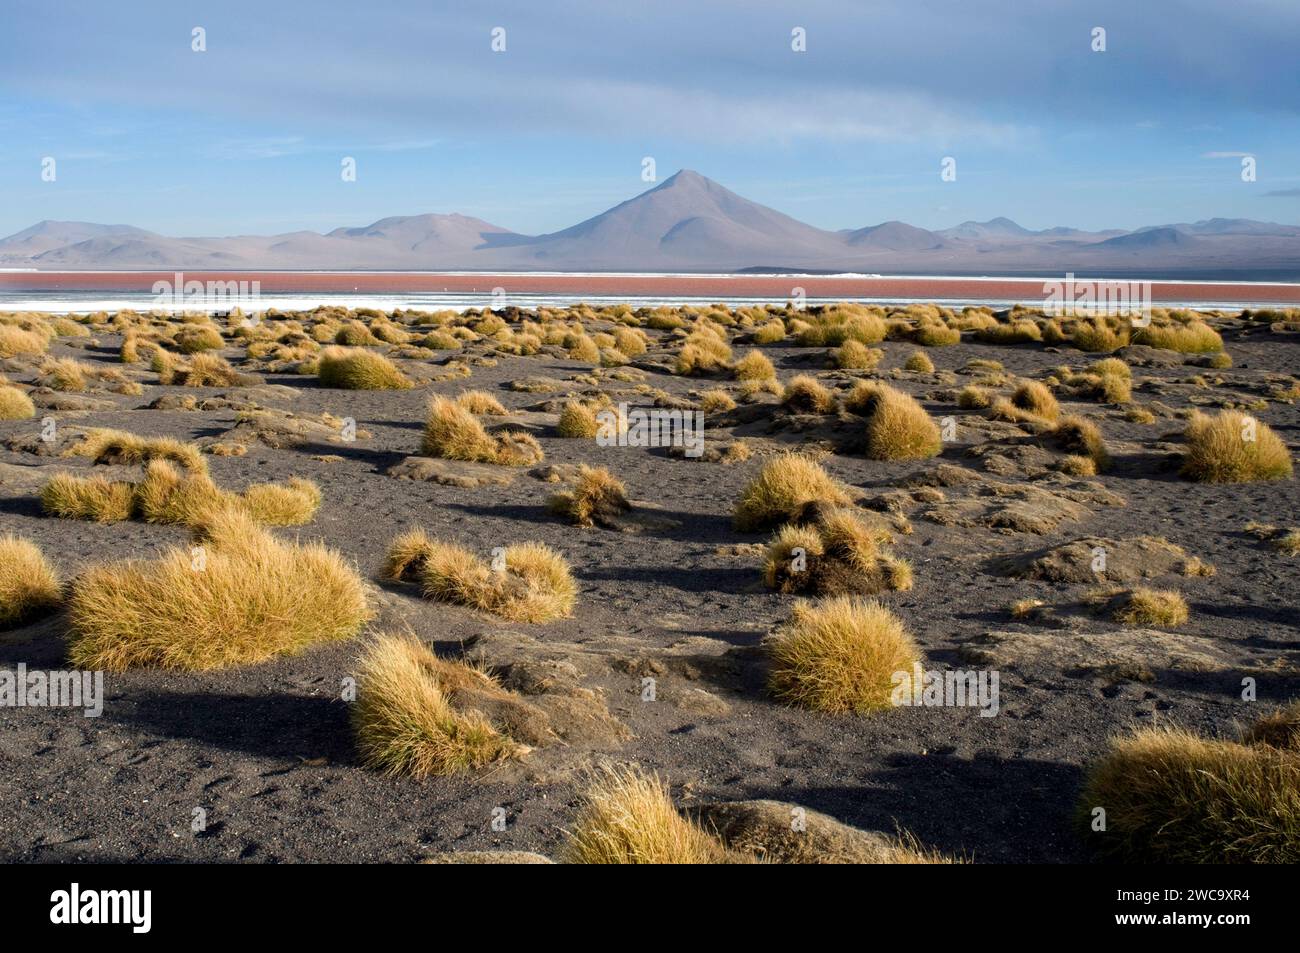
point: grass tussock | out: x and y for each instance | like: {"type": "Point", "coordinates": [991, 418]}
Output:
{"type": "Point", "coordinates": [628, 817]}
{"type": "Point", "coordinates": [530, 583]}
{"type": "Point", "coordinates": [1172, 796]}
{"type": "Point", "coordinates": [805, 394]}
{"type": "Point", "coordinates": [355, 369]}
{"type": "Point", "coordinates": [452, 432]}
{"type": "Point", "coordinates": [15, 405]}
{"type": "Point", "coordinates": [597, 498]}
{"type": "Point", "coordinates": [481, 402]}
{"type": "Point", "coordinates": [239, 596]}
{"type": "Point", "coordinates": [87, 498]}
{"type": "Point", "coordinates": [898, 428]}
{"type": "Point", "coordinates": [1162, 607]}
{"type": "Point", "coordinates": [119, 447]}
{"type": "Point", "coordinates": [29, 586]}
{"type": "Point", "coordinates": [835, 553]}
{"type": "Point", "coordinates": [577, 421]}
{"type": "Point", "coordinates": [1033, 397]}
{"type": "Point", "coordinates": [1196, 337]}
{"type": "Point", "coordinates": [754, 366]}
{"type": "Point", "coordinates": [1233, 448]}
{"type": "Point", "coordinates": [784, 490]}
{"type": "Point", "coordinates": [840, 655]}
{"type": "Point", "coordinates": [404, 720]}
{"type": "Point", "coordinates": [1079, 437]}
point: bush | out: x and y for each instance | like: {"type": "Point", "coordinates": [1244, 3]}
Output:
{"type": "Point", "coordinates": [754, 366]}
{"type": "Point", "coordinates": [597, 498]}
{"type": "Point", "coordinates": [251, 598]}
{"type": "Point", "coordinates": [452, 432]}
{"type": "Point", "coordinates": [784, 490]}
{"type": "Point", "coordinates": [404, 719]}
{"type": "Point", "coordinates": [805, 394]}
{"type": "Point", "coordinates": [1152, 607]}
{"type": "Point", "coordinates": [1221, 449]}
{"type": "Point", "coordinates": [359, 370]}
{"type": "Point", "coordinates": [840, 655]}
{"type": "Point", "coordinates": [15, 405]}
{"type": "Point", "coordinates": [898, 428]}
{"type": "Point", "coordinates": [29, 587]}
{"type": "Point", "coordinates": [1194, 338]}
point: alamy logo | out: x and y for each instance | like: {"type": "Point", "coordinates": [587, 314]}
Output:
{"type": "Point", "coordinates": [1074, 298]}
{"type": "Point", "coordinates": [951, 689]}
{"type": "Point", "coordinates": [195, 295]}
{"type": "Point", "coordinates": [651, 427]}
{"type": "Point", "coordinates": [73, 906]}
{"type": "Point", "coordinates": [60, 689]}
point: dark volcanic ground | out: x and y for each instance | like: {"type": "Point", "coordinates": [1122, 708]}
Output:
{"type": "Point", "coordinates": [266, 750]}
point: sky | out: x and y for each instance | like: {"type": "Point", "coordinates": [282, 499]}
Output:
{"type": "Point", "coordinates": [249, 135]}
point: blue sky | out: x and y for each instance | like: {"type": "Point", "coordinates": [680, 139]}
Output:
{"type": "Point", "coordinates": [248, 136]}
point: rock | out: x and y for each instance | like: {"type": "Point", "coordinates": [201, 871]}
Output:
{"type": "Point", "coordinates": [460, 473]}
{"type": "Point", "coordinates": [771, 831]}
{"type": "Point", "coordinates": [1127, 561]}
{"type": "Point", "coordinates": [1135, 654]}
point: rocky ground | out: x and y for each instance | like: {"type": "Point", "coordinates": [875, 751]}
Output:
{"type": "Point", "coordinates": [675, 596]}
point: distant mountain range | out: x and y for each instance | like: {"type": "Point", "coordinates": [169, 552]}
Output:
{"type": "Point", "coordinates": [687, 223]}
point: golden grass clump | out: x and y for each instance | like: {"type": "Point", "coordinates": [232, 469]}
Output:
{"type": "Point", "coordinates": [919, 363]}
{"type": "Point", "coordinates": [854, 355]}
{"type": "Point", "coordinates": [577, 421]}
{"type": "Point", "coordinates": [120, 447]}
{"type": "Point", "coordinates": [754, 366]}
{"type": "Point", "coordinates": [1278, 729]}
{"type": "Point", "coordinates": [806, 395]}
{"type": "Point", "coordinates": [716, 401]}
{"type": "Point", "coordinates": [355, 369]}
{"type": "Point", "coordinates": [898, 428]}
{"type": "Point", "coordinates": [293, 503]}
{"type": "Point", "coordinates": [1144, 606]}
{"type": "Point", "coordinates": [772, 332]}
{"type": "Point", "coordinates": [973, 397]}
{"type": "Point", "coordinates": [192, 340]}
{"type": "Point", "coordinates": [1172, 796]}
{"type": "Point", "coordinates": [65, 374]}
{"type": "Point", "coordinates": [533, 583]}
{"type": "Point", "coordinates": [628, 817]}
{"type": "Point", "coordinates": [29, 586]}
{"type": "Point", "coordinates": [840, 654]}
{"type": "Point", "coordinates": [15, 341]}
{"type": "Point", "coordinates": [784, 490]}
{"type": "Point", "coordinates": [1233, 448]}
{"type": "Point", "coordinates": [1080, 437]}
{"type": "Point", "coordinates": [87, 498]}
{"type": "Point", "coordinates": [208, 370]}
{"type": "Point", "coordinates": [452, 432]}
{"type": "Point", "coordinates": [1196, 337]}
{"type": "Point", "coordinates": [1097, 336]}
{"type": "Point", "coordinates": [15, 405]}
{"type": "Point", "coordinates": [481, 402]}
{"type": "Point", "coordinates": [1034, 398]}
{"type": "Point", "coordinates": [835, 553]}
{"type": "Point", "coordinates": [239, 596]}
{"type": "Point", "coordinates": [597, 498]}
{"type": "Point", "coordinates": [935, 334]}
{"type": "Point", "coordinates": [404, 720]}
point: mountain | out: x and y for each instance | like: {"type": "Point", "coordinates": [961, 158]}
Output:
{"type": "Point", "coordinates": [687, 223]}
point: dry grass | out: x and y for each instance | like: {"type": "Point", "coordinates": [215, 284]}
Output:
{"type": "Point", "coordinates": [1162, 607]}
{"type": "Point", "coordinates": [15, 341]}
{"type": "Point", "coordinates": [854, 355]}
{"type": "Point", "coordinates": [534, 584]}
{"type": "Point", "coordinates": [66, 374]}
{"type": "Point", "coordinates": [15, 405]}
{"type": "Point", "coordinates": [972, 397]}
{"type": "Point", "coordinates": [836, 553]}
{"type": "Point", "coordinates": [87, 498]}
{"type": "Point", "coordinates": [1233, 448]}
{"type": "Point", "coordinates": [597, 498]}
{"type": "Point", "coordinates": [452, 432]}
{"type": "Point", "coordinates": [293, 503]}
{"type": "Point", "coordinates": [353, 369]}
{"type": "Point", "coordinates": [754, 366]}
{"type": "Point", "coordinates": [29, 587]}
{"type": "Point", "coordinates": [1196, 337]}
{"type": "Point", "coordinates": [241, 596]}
{"type": "Point", "coordinates": [783, 490]}
{"type": "Point", "coordinates": [920, 363]}
{"type": "Point", "coordinates": [627, 817]}
{"type": "Point", "coordinates": [1079, 437]}
{"type": "Point", "coordinates": [577, 421]}
{"type": "Point", "coordinates": [840, 655]}
{"type": "Point", "coordinates": [404, 720]}
{"type": "Point", "coordinates": [1171, 796]}
{"type": "Point", "coordinates": [481, 402]}
{"type": "Point", "coordinates": [123, 448]}
{"type": "Point", "coordinates": [1034, 398]}
{"type": "Point", "coordinates": [1278, 729]}
{"type": "Point", "coordinates": [898, 428]}
{"type": "Point", "coordinates": [806, 395]}
{"type": "Point", "coordinates": [716, 401]}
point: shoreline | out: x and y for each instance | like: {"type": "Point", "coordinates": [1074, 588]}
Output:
{"type": "Point", "coordinates": [772, 287]}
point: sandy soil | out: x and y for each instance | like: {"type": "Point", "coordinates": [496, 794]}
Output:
{"type": "Point", "coordinates": [266, 750]}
